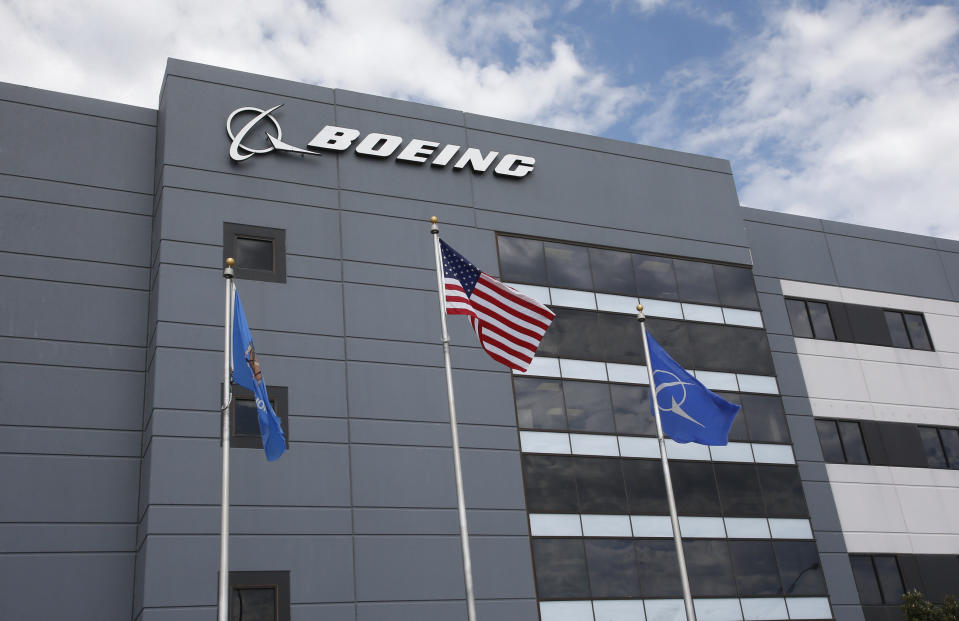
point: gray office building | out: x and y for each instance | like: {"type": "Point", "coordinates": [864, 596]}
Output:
{"type": "Point", "coordinates": [838, 490]}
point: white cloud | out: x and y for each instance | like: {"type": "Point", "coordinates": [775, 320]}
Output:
{"type": "Point", "coordinates": [850, 113]}
{"type": "Point", "coordinates": [470, 55]}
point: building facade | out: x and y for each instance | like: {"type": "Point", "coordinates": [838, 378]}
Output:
{"type": "Point", "coordinates": [838, 489]}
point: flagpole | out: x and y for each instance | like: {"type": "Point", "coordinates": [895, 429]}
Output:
{"type": "Point", "coordinates": [670, 497]}
{"type": "Point", "coordinates": [223, 602]}
{"type": "Point", "coordinates": [457, 467]}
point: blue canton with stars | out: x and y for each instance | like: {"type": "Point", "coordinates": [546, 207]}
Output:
{"type": "Point", "coordinates": [455, 266]}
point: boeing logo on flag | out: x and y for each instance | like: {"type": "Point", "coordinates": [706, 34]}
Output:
{"type": "Point", "coordinates": [689, 412]}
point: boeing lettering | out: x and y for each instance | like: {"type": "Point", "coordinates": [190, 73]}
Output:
{"type": "Point", "coordinates": [374, 144]}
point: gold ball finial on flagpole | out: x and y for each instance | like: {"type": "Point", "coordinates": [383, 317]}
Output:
{"type": "Point", "coordinates": [434, 219]}
{"type": "Point", "coordinates": [639, 307]}
{"type": "Point", "coordinates": [230, 262]}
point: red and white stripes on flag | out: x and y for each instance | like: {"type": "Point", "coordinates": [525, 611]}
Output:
{"type": "Point", "coordinates": [509, 324]}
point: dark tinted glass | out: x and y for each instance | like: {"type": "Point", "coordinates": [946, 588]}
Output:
{"type": "Point", "coordinates": [696, 282]}
{"type": "Point", "coordinates": [736, 286]}
{"type": "Point", "coordinates": [935, 455]}
{"type": "Point", "coordinates": [799, 568]}
{"type": "Point", "coordinates": [550, 484]}
{"type": "Point", "coordinates": [729, 348]}
{"type": "Point", "coordinates": [937, 571]}
{"type": "Point", "coordinates": [568, 266]}
{"type": "Point", "coordinates": [950, 442]}
{"type": "Point", "coordinates": [522, 260]}
{"type": "Point", "coordinates": [612, 568]}
{"type": "Point", "coordinates": [738, 432]}
{"type": "Point", "coordinates": [868, 325]}
{"type": "Point", "coordinates": [829, 439]}
{"type": "Point", "coordinates": [588, 407]}
{"type": "Point", "coordinates": [890, 581]}
{"type": "Point", "coordinates": [739, 490]}
{"type": "Point", "coordinates": [897, 329]}
{"type": "Point", "coordinates": [799, 318]}
{"type": "Point", "coordinates": [572, 335]}
{"type": "Point", "coordinates": [645, 487]}
{"type": "Point", "coordinates": [766, 418]}
{"type": "Point", "coordinates": [560, 569]}
{"type": "Point", "coordinates": [658, 568]}
{"type": "Point", "coordinates": [654, 277]}
{"type": "Point", "coordinates": [695, 488]}
{"type": "Point", "coordinates": [254, 253]}
{"type": "Point", "coordinates": [709, 567]}
{"type": "Point", "coordinates": [821, 323]}
{"type": "Point", "coordinates": [631, 410]}
{"type": "Point", "coordinates": [622, 338]}
{"type": "Point", "coordinates": [539, 403]}
{"type": "Point", "coordinates": [253, 604]}
{"type": "Point", "coordinates": [866, 582]}
{"type": "Point", "coordinates": [612, 271]}
{"type": "Point", "coordinates": [852, 444]}
{"type": "Point", "coordinates": [782, 491]}
{"type": "Point", "coordinates": [673, 336]}
{"type": "Point", "coordinates": [599, 481]}
{"type": "Point", "coordinates": [917, 331]}
{"type": "Point", "coordinates": [755, 566]}
{"type": "Point", "coordinates": [245, 420]}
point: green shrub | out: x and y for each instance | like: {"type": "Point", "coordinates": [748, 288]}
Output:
{"type": "Point", "coordinates": [917, 608]}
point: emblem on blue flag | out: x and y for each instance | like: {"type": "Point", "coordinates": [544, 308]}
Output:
{"type": "Point", "coordinates": [247, 373]}
{"type": "Point", "coordinates": [689, 411]}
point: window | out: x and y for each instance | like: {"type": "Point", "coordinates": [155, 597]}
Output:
{"type": "Point", "coordinates": [918, 335]}
{"type": "Point", "coordinates": [842, 442]}
{"type": "Point", "coordinates": [655, 277]}
{"type": "Point", "coordinates": [810, 319]}
{"type": "Point", "coordinates": [244, 421]}
{"type": "Point", "coordinates": [560, 569]}
{"type": "Point", "coordinates": [950, 442]}
{"type": "Point", "coordinates": [855, 323]}
{"type": "Point", "coordinates": [935, 455]}
{"type": "Point", "coordinates": [260, 252]}
{"type": "Point", "coordinates": [799, 318]}
{"type": "Point", "coordinates": [259, 596]}
{"type": "Point", "coordinates": [567, 266]}
{"type": "Point", "coordinates": [522, 260]}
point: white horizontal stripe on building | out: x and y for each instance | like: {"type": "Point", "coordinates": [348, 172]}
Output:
{"type": "Point", "coordinates": [644, 526]}
{"type": "Point", "coordinates": [711, 609]}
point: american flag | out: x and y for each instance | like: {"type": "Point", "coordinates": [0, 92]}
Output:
{"type": "Point", "coordinates": [509, 324]}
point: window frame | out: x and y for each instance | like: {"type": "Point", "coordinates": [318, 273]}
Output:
{"type": "Point", "coordinates": [280, 580]}
{"type": "Point", "coordinates": [234, 230]}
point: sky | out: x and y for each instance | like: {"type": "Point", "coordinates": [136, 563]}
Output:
{"type": "Point", "coordinates": [845, 110]}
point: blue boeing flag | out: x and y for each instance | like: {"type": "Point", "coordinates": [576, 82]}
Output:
{"type": "Point", "coordinates": [689, 411]}
{"type": "Point", "coordinates": [246, 373]}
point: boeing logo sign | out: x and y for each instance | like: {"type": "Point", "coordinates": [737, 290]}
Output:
{"type": "Point", "coordinates": [332, 138]}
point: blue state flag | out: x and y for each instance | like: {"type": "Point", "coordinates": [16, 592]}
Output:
{"type": "Point", "coordinates": [247, 373]}
{"type": "Point", "coordinates": [690, 412]}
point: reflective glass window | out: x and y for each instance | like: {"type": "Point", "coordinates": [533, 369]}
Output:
{"type": "Point", "coordinates": [799, 318]}
{"type": "Point", "coordinates": [550, 484]}
{"type": "Point", "coordinates": [866, 582]}
{"type": "Point", "coordinates": [730, 348]}
{"type": "Point", "coordinates": [765, 418]}
{"type": "Point", "coordinates": [739, 490]}
{"type": "Point", "coordinates": [935, 455]}
{"type": "Point", "coordinates": [654, 277]}
{"type": "Point", "coordinates": [645, 487]}
{"type": "Point", "coordinates": [950, 442]}
{"type": "Point", "coordinates": [709, 567]}
{"type": "Point", "coordinates": [799, 568]}
{"type": "Point", "coordinates": [756, 569]}
{"type": "Point", "coordinates": [917, 331]}
{"type": "Point", "coordinates": [738, 432]}
{"type": "Point", "coordinates": [821, 322]}
{"type": "Point", "coordinates": [612, 271]}
{"type": "Point", "coordinates": [658, 568]}
{"type": "Point", "coordinates": [572, 335]}
{"type": "Point", "coordinates": [560, 569]}
{"type": "Point", "coordinates": [829, 440]}
{"type": "Point", "coordinates": [588, 407]}
{"type": "Point", "coordinates": [622, 338]}
{"type": "Point", "coordinates": [868, 325]}
{"type": "Point", "coordinates": [631, 410]}
{"type": "Point", "coordinates": [612, 568]}
{"type": "Point", "coordinates": [522, 260]}
{"type": "Point", "coordinates": [567, 266]}
{"type": "Point", "coordinates": [897, 329]}
{"type": "Point", "coordinates": [539, 403]}
{"type": "Point", "coordinates": [695, 488]}
{"type": "Point", "coordinates": [782, 491]}
{"type": "Point", "coordinates": [890, 580]}
{"type": "Point", "coordinates": [673, 336]}
{"type": "Point", "coordinates": [246, 420]}
{"type": "Point", "coordinates": [253, 253]}
{"type": "Point", "coordinates": [599, 481]}
{"type": "Point", "coordinates": [696, 282]}
{"type": "Point", "coordinates": [852, 444]}
{"type": "Point", "coordinates": [736, 286]}
{"type": "Point", "coordinates": [253, 604]}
